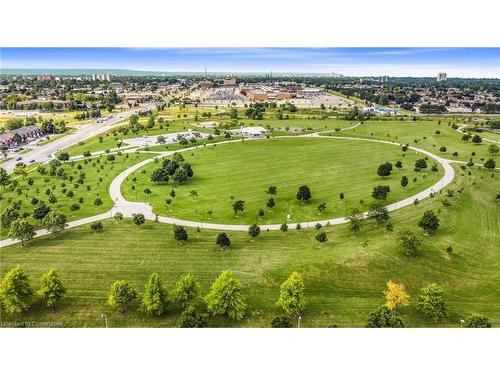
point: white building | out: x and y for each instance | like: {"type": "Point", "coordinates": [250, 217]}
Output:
{"type": "Point", "coordinates": [253, 131]}
{"type": "Point", "coordinates": [442, 77]}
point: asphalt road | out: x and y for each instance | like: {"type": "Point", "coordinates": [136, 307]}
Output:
{"type": "Point", "coordinates": [42, 154]}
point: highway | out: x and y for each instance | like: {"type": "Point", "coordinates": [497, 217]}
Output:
{"type": "Point", "coordinates": [42, 153]}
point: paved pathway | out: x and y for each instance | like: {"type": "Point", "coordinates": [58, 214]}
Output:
{"type": "Point", "coordinates": [128, 208]}
{"type": "Point", "coordinates": [43, 153]}
{"type": "Point", "coordinates": [483, 138]}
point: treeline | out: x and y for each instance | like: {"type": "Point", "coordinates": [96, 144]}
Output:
{"type": "Point", "coordinates": [433, 108]}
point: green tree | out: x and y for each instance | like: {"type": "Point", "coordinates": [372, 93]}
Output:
{"type": "Point", "coordinates": [160, 176]}
{"type": "Point", "coordinates": [121, 295]}
{"type": "Point", "coordinates": [155, 298]}
{"type": "Point", "coordinates": [223, 240]}
{"type": "Point", "coordinates": [409, 242]}
{"type": "Point", "coordinates": [187, 289]}
{"type": "Point", "coordinates": [490, 164]}
{"type": "Point", "coordinates": [477, 321]}
{"type": "Point", "coordinates": [378, 212]}
{"type": "Point", "coordinates": [180, 234]}
{"type": "Point", "coordinates": [355, 217]}
{"type": "Point", "coordinates": [138, 219]}
{"type": "Point", "coordinates": [253, 230]}
{"type": "Point", "coordinates": [22, 230]}
{"type": "Point", "coordinates": [8, 215]}
{"type": "Point", "coordinates": [51, 288]}
{"type": "Point", "coordinates": [477, 139]}
{"type": "Point", "coordinates": [304, 193]}
{"type": "Point", "coordinates": [404, 181]}
{"type": "Point", "coordinates": [270, 203]}
{"type": "Point", "coordinates": [291, 298]}
{"type": "Point", "coordinates": [191, 318]}
{"type": "Point", "coordinates": [16, 293]}
{"type": "Point", "coordinates": [431, 301]}
{"type": "Point", "coordinates": [492, 149]}
{"type": "Point", "coordinates": [382, 317]}
{"type": "Point", "coordinates": [321, 237]}
{"type": "Point", "coordinates": [41, 210]}
{"type": "Point", "coordinates": [239, 205]}
{"type": "Point", "coordinates": [420, 164]}
{"type": "Point", "coordinates": [225, 298]}
{"type": "Point", "coordinates": [380, 192]}
{"type": "Point", "coordinates": [4, 178]}
{"type": "Point", "coordinates": [429, 222]}
{"type": "Point", "coordinates": [272, 190]}
{"type": "Point", "coordinates": [54, 222]}
{"type": "Point", "coordinates": [281, 322]}
{"type": "Point", "coordinates": [384, 169]}
{"type": "Point", "coordinates": [96, 227]}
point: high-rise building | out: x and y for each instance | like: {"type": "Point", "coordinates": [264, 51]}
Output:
{"type": "Point", "coordinates": [442, 77]}
{"type": "Point", "coordinates": [383, 78]}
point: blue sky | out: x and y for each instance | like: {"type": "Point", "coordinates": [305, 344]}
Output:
{"type": "Point", "coordinates": [457, 62]}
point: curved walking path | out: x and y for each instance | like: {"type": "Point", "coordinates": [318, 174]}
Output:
{"type": "Point", "coordinates": [128, 208]}
{"type": "Point", "coordinates": [463, 126]}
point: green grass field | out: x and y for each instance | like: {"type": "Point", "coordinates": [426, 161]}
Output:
{"type": "Point", "coordinates": [93, 173]}
{"type": "Point", "coordinates": [425, 134]}
{"type": "Point", "coordinates": [110, 138]}
{"type": "Point", "coordinates": [226, 173]}
{"type": "Point", "coordinates": [344, 277]}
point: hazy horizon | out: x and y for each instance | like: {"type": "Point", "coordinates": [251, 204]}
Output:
{"type": "Point", "coordinates": [355, 62]}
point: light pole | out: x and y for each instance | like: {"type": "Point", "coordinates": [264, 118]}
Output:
{"type": "Point", "coordinates": [103, 316]}
{"type": "Point", "coordinates": [298, 321]}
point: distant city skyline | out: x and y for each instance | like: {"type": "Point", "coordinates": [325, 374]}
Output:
{"type": "Point", "coordinates": [395, 62]}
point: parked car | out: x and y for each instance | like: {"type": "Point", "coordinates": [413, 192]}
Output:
{"type": "Point", "coordinates": [19, 158]}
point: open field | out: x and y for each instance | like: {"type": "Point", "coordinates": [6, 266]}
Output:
{"type": "Point", "coordinates": [344, 277]}
{"type": "Point", "coordinates": [226, 173]}
{"type": "Point", "coordinates": [425, 134]}
{"type": "Point", "coordinates": [95, 170]}
{"type": "Point", "coordinates": [300, 124]}
{"type": "Point", "coordinates": [109, 139]}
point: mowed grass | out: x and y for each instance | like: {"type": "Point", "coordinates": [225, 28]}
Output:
{"type": "Point", "coordinates": [244, 170]}
{"type": "Point", "coordinates": [95, 169]}
{"type": "Point", "coordinates": [110, 139]}
{"type": "Point", "coordinates": [424, 132]}
{"type": "Point", "coordinates": [300, 124]}
{"type": "Point", "coordinates": [344, 277]}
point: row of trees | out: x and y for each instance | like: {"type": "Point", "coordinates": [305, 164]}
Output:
{"type": "Point", "coordinates": [22, 230]}
{"type": "Point", "coordinates": [431, 303]}
{"type": "Point", "coordinates": [224, 297]}
{"type": "Point", "coordinates": [17, 295]}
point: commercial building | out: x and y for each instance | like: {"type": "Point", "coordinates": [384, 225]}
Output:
{"type": "Point", "coordinates": [442, 77]}
{"type": "Point", "coordinates": [264, 93]}
{"type": "Point", "coordinates": [44, 77]}
{"type": "Point", "coordinates": [229, 81]}
{"type": "Point", "coordinates": [206, 84]}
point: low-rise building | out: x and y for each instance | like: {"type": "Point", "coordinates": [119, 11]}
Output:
{"type": "Point", "coordinates": [252, 131]}
{"type": "Point", "coordinates": [25, 134]}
